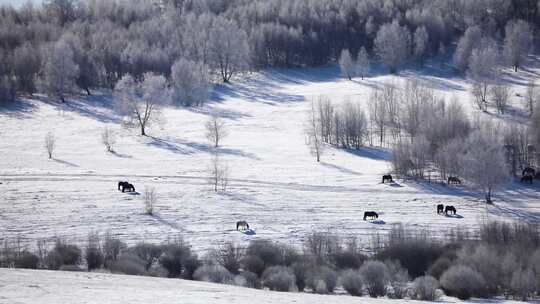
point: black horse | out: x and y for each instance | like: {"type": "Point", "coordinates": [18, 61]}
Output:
{"type": "Point", "coordinates": [451, 209]}
{"type": "Point", "coordinates": [440, 208]}
{"type": "Point", "coordinates": [387, 177]}
{"type": "Point", "coordinates": [242, 225]}
{"type": "Point", "coordinates": [454, 180]}
{"type": "Point", "coordinates": [371, 214]}
{"type": "Point", "coordinates": [528, 171]}
{"type": "Point", "coordinates": [125, 186]}
{"type": "Point", "coordinates": [527, 178]}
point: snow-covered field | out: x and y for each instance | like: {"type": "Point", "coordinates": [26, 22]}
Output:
{"type": "Point", "coordinates": [276, 185]}
{"type": "Point", "coordinates": [58, 287]}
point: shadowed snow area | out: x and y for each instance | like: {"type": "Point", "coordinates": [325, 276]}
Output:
{"type": "Point", "coordinates": [276, 185]}
{"type": "Point", "coordinates": [58, 287]}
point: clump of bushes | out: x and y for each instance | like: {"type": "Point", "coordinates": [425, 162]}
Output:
{"type": "Point", "coordinates": [63, 254]}
{"type": "Point", "coordinates": [279, 278]}
{"type": "Point", "coordinates": [462, 282]}
{"type": "Point", "coordinates": [128, 264]}
{"type": "Point", "coordinates": [214, 274]}
{"type": "Point", "coordinates": [352, 281]}
{"type": "Point", "coordinates": [375, 274]}
{"type": "Point", "coordinates": [425, 288]}
{"type": "Point", "coordinates": [178, 259]}
{"type": "Point", "coordinates": [322, 279]}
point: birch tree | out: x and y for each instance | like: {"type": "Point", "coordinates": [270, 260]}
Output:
{"type": "Point", "coordinates": [483, 70]}
{"type": "Point", "coordinates": [421, 40]}
{"type": "Point", "coordinates": [517, 42]}
{"type": "Point", "coordinates": [216, 129]}
{"type": "Point", "coordinates": [59, 70]}
{"type": "Point", "coordinates": [346, 64]}
{"type": "Point", "coordinates": [313, 132]}
{"type": "Point", "coordinates": [362, 63]}
{"type": "Point", "coordinates": [392, 44]}
{"type": "Point", "coordinates": [141, 102]}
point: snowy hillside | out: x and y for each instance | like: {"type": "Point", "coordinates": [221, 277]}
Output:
{"type": "Point", "coordinates": [276, 185]}
{"type": "Point", "coordinates": [27, 286]}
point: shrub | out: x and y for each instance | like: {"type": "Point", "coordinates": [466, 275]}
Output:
{"type": "Point", "coordinates": [251, 280]}
{"type": "Point", "coordinates": [462, 282]}
{"type": "Point", "coordinates": [268, 252]}
{"type": "Point", "coordinates": [348, 259]}
{"type": "Point", "coordinates": [416, 255]}
{"type": "Point", "coordinates": [112, 248]}
{"type": "Point", "coordinates": [253, 264]}
{"type": "Point", "coordinates": [73, 268]}
{"type": "Point", "coordinates": [485, 260]}
{"type": "Point", "coordinates": [375, 276]}
{"type": "Point", "coordinates": [62, 254]}
{"type": "Point", "coordinates": [439, 267]}
{"type": "Point", "coordinates": [128, 264]}
{"type": "Point", "coordinates": [279, 278]}
{"type": "Point", "coordinates": [322, 274]}
{"type": "Point", "coordinates": [93, 256]}
{"type": "Point", "coordinates": [322, 246]}
{"type": "Point", "coordinates": [229, 256]}
{"type": "Point", "coordinates": [523, 284]}
{"type": "Point", "coordinates": [213, 274]}
{"type": "Point", "coordinates": [399, 278]}
{"type": "Point", "coordinates": [178, 260]}
{"type": "Point", "coordinates": [424, 288]}
{"type": "Point", "coordinates": [352, 282]}
{"type": "Point", "coordinates": [148, 253]}
{"type": "Point", "coordinates": [27, 260]}
{"type": "Point", "coordinates": [301, 269]}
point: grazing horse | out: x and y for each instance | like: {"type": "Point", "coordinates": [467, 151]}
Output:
{"type": "Point", "coordinates": [121, 185]}
{"type": "Point", "coordinates": [371, 214]}
{"type": "Point", "coordinates": [387, 177]}
{"type": "Point", "coordinates": [242, 225]}
{"type": "Point", "coordinates": [128, 187]}
{"type": "Point", "coordinates": [527, 178]}
{"type": "Point", "coordinates": [451, 209]}
{"type": "Point", "coordinates": [454, 180]}
{"type": "Point", "coordinates": [440, 208]}
{"type": "Point", "coordinates": [528, 172]}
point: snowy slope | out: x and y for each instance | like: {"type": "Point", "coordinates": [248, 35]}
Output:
{"type": "Point", "coordinates": [276, 185]}
{"type": "Point", "coordinates": [58, 287]}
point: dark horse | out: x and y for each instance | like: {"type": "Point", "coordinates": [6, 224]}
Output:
{"type": "Point", "coordinates": [451, 209]}
{"type": "Point", "coordinates": [125, 186]}
{"type": "Point", "coordinates": [527, 178]}
{"type": "Point", "coordinates": [440, 208]}
{"type": "Point", "coordinates": [454, 180]}
{"type": "Point", "coordinates": [242, 225]}
{"type": "Point", "coordinates": [528, 172]}
{"type": "Point", "coordinates": [387, 177]}
{"type": "Point", "coordinates": [371, 214]}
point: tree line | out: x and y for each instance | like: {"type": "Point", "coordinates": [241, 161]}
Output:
{"type": "Point", "coordinates": [69, 46]}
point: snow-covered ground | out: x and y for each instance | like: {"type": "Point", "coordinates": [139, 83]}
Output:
{"type": "Point", "coordinates": [276, 185]}
{"type": "Point", "coordinates": [58, 287]}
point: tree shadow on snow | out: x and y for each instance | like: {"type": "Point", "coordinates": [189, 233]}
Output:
{"type": "Point", "coordinates": [121, 155]}
{"type": "Point", "coordinates": [339, 168]}
{"type": "Point", "coordinates": [65, 162]}
{"type": "Point", "coordinates": [19, 108]}
{"type": "Point", "coordinates": [374, 153]}
{"type": "Point", "coordinates": [188, 147]}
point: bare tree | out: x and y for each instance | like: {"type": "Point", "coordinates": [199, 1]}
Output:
{"type": "Point", "coordinates": [60, 70]}
{"type": "Point", "coordinates": [532, 96]}
{"type": "Point", "coordinates": [313, 132]}
{"type": "Point", "coordinates": [141, 101]}
{"type": "Point", "coordinates": [219, 173]}
{"type": "Point", "coordinates": [517, 42]}
{"type": "Point", "coordinates": [378, 113]}
{"type": "Point", "coordinates": [150, 199]}
{"type": "Point", "coordinates": [421, 43]}
{"type": "Point", "coordinates": [346, 64]}
{"type": "Point", "coordinates": [216, 129]}
{"type": "Point", "coordinates": [362, 63]}
{"type": "Point", "coordinates": [500, 93]}
{"type": "Point", "coordinates": [50, 144]}
{"type": "Point", "coordinates": [392, 44]}
{"type": "Point", "coordinates": [108, 138]}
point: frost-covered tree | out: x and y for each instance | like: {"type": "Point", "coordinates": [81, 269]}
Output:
{"type": "Point", "coordinates": [229, 50]}
{"type": "Point", "coordinates": [392, 44]}
{"type": "Point", "coordinates": [108, 138]}
{"type": "Point", "coordinates": [421, 44]}
{"type": "Point", "coordinates": [190, 82]}
{"type": "Point", "coordinates": [483, 68]}
{"type": "Point", "coordinates": [484, 161]}
{"type": "Point", "coordinates": [26, 65]}
{"type": "Point", "coordinates": [313, 132]}
{"type": "Point", "coordinates": [346, 64]}
{"type": "Point", "coordinates": [465, 47]}
{"type": "Point", "coordinates": [517, 42]}
{"type": "Point", "coordinates": [532, 96]}
{"type": "Point", "coordinates": [500, 93]}
{"type": "Point", "coordinates": [216, 129]}
{"type": "Point", "coordinates": [362, 63]}
{"type": "Point", "coordinates": [141, 102]}
{"type": "Point", "coordinates": [59, 70]}
{"type": "Point", "coordinates": [378, 114]}
{"type": "Point", "coordinates": [219, 173]}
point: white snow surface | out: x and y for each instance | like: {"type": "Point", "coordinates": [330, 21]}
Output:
{"type": "Point", "coordinates": [58, 287]}
{"type": "Point", "coordinates": [275, 184]}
